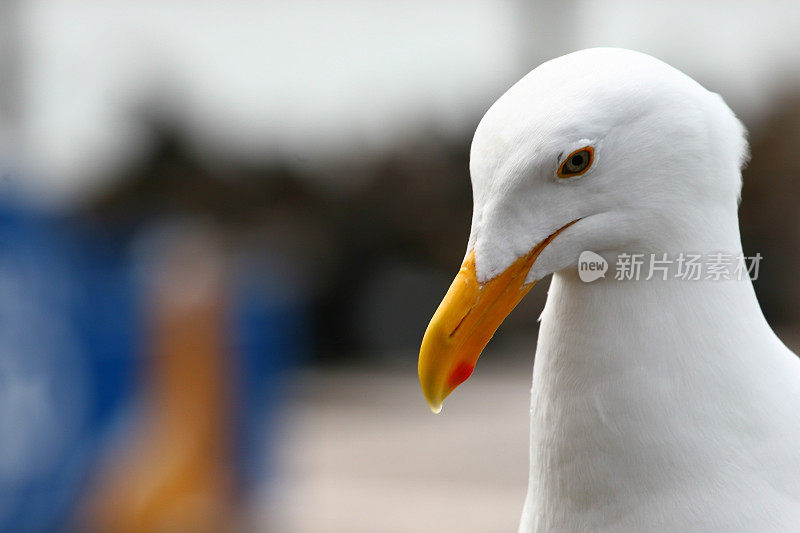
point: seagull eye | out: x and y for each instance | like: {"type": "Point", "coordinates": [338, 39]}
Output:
{"type": "Point", "coordinates": [576, 163]}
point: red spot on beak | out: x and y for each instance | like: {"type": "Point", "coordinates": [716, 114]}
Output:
{"type": "Point", "coordinates": [460, 374]}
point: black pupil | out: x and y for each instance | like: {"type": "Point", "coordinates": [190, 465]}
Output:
{"type": "Point", "coordinates": [577, 160]}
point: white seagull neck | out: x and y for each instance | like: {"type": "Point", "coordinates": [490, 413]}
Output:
{"type": "Point", "coordinates": [651, 403]}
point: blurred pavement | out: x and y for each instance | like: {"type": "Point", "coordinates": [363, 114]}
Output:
{"type": "Point", "coordinates": [362, 453]}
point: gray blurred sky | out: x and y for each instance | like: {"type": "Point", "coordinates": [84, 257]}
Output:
{"type": "Point", "coordinates": [313, 83]}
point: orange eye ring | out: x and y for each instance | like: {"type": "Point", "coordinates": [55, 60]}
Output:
{"type": "Point", "coordinates": [577, 163]}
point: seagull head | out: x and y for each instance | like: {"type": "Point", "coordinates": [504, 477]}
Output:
{"type": "Point", "coordinates": [602, 149]}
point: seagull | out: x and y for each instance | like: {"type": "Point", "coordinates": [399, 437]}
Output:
{"type": "Point", "coordinates": [659, 402]}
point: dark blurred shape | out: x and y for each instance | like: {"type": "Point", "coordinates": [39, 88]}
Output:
{"type": "Point", "coordinates": [409, 218]}
{"type": "Point", "coordinates": [397, 238]}
{"type": "Point", "coordinates": [769, 216]}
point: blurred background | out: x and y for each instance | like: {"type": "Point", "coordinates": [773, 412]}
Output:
{"type": "Point", "coordinates": [224, 227]}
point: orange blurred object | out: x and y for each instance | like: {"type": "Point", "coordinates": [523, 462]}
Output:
{"type": "Point", "coordinates": [174, 472]}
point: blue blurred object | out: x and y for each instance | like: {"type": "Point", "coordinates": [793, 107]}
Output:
{"type": "Point", "coordinates": [66, 353]}
{"type": "Point", "coordinates": [70, 338]}
{"type": "Point", "coordinates": [272, 336]}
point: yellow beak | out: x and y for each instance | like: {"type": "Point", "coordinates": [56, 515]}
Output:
{"type": "Point", "coordinates": [465, 321]}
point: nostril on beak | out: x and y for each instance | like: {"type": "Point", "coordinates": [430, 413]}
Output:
{"type": "Point", "coordinates": [460, 322]}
